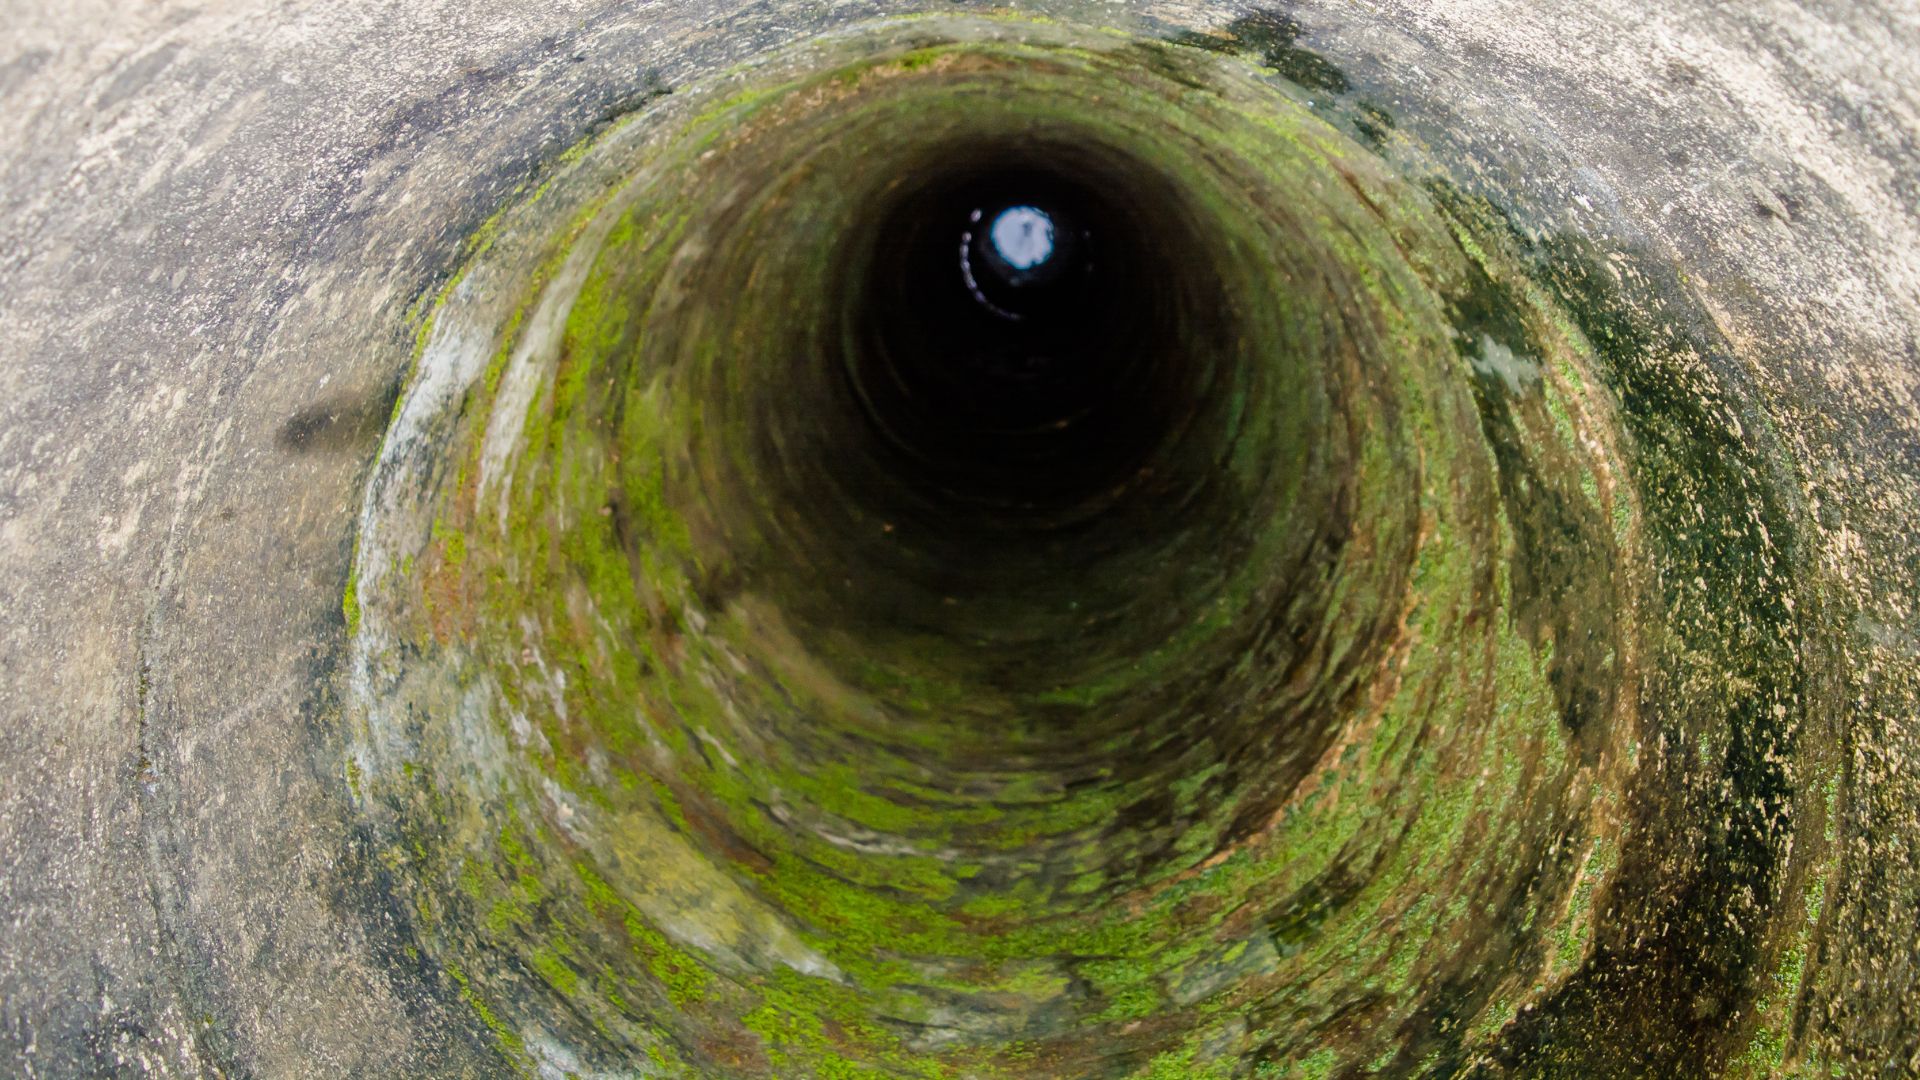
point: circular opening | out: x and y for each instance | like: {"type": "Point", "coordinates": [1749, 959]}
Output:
{"type": "Point", "coordinates": [1022, 237]}
{"type": "Point", "coordinates": [1015, 564]}
{"type": "Point", "coordinates": [1054, 364]}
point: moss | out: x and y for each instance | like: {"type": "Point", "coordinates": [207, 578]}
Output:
{"type": "Point", "coordinates": [350, 603]}
{"type": "Point", "coordinates": [453, 544]}
{"type": "Point", "coordinates": [1180, 1065]}
{"type": "Point", "coordinates": [508, 1039]}
{"type": "Point", "coordinates": [553, 967]}
{"type": "Point", "coordinates": [682, 975]}
{"type": "Point", "coordinates": [807, 1028]}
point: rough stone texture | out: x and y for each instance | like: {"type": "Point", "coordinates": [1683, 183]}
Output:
{"type": "Point", "coordinates": [215, 221]}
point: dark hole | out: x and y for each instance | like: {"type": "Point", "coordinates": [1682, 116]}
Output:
{"type": "Point", "coordinates": [1020, 324]}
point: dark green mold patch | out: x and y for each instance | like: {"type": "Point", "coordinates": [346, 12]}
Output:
{"type": "Point", "coordinates": [1272, 37]}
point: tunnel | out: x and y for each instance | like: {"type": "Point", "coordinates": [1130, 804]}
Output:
{"type": "Point", "coordinates": [1177, 541]}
